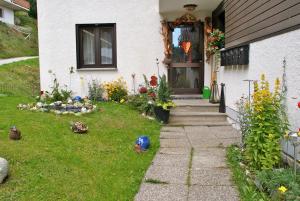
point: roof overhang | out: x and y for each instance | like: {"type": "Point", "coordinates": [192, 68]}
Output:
{"type": "Point", "coordinates": [166, 6]}
{"type": "Point", "coordinates": [9, 4]}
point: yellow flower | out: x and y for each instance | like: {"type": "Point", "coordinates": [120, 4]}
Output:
{"type": "Point", "coordinates": [122, 101]}
{"type": "Point", "coordinates": [282, 189]}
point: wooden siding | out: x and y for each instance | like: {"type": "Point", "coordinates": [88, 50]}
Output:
{"type": "Point", "coordinates": [251, 20]}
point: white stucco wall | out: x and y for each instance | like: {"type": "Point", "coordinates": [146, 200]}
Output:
{"type": "Point", "coordinates": [8, 15]}
{"type": "Point", "coordinates": [266, 57]}
{"type": "Point", "coordinates": [139, 42]}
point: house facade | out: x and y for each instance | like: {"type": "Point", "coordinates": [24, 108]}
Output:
{"type": "Point", "coordinates": [81, 41]}
{"type": "Point", "coordinates": [8, 7]}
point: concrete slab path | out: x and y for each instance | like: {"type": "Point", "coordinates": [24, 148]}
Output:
{"type": "Point", "coordinates": [191, 165]}
{"type": "Point", "coordinates": [11, 60]}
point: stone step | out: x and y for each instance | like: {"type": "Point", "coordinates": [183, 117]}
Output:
{"type": "Point", "coordinates": [196, 108]}
{"type": "Point", "coordinates": [186, 96]}
{"type": "Point", "coordinates": [209, 124]}
{"type": "Point", "coordinates": [186, 117]}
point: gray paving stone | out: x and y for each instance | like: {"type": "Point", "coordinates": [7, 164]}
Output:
{"type": "Point", "coordinates": [211, 176]}
{"type": "Point", "coordinates": [174, 143]}
{"type": "Point", "coordinates": [210, 151]}
{"type": "Point", "coordinates": [200, 135]}
{"type": "Point", "coordinates": [196, 129]}
{"type": "Point", "coordinates": [172, 135]}
{"type": "Point", "coordinates": [171, 160]}
{"type": "Point", "coordinates": [207, 143]}
{"type": "Point", "coordinates": [172, 129]}
{"type": "Point", "coordinates": [213, 193]}
{"type": "Point", "coordinates": [169, 174]}
{"type": "Point", "coordinates": [227, 134]}
{"type": "Point", "coordinates": [157, 192]}
{"type": "Point", "coordinates": [208, 161]}
{"type": "Point", "coordinates": [175, 150]}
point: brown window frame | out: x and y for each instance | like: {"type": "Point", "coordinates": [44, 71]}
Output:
{"type": "Point", "coordinates": [79, 44]}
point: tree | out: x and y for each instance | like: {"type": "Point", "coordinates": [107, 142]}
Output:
{"type": "Point", "coordinates": [33, 9]}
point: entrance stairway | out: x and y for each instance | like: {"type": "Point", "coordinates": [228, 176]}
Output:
{"type": "Point", "coordinates": [192, 111]}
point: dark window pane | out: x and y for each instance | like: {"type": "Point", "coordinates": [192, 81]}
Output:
{"type": "Point", "coordinates": [88, 43]}
{"type": "Point", "coordinates": [106, 42]}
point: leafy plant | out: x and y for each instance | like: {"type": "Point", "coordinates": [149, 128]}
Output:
{"type": "Point", "coordinates": [247, 188]}
{"type": "Point", "coordinates": [243, 107]}
{"type": "Point", "coordinates": [116, 90]}
{"type": "Point", "coordinates": [95, 91]}
{"type": "Point", "coordinates": [280, 184]}
{"type": "Point", "coordinates": [266, 127]}
{"type": "Point", "coordinates": [163, 92]}
{"type": "Point", "coordinates": [141, 102]}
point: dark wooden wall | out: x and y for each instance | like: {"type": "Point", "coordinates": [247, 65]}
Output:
{"type": "Point", "coordinates": [251, 20]}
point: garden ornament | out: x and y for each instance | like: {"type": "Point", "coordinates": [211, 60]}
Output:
{"type": "Point", "coordinates": [294, 138]}
{"type": "Point", "coordinates": [14, 133]}
{"type": "Point", "coordinates": [77, 98]}
{"type": "Point", "coordinates": [142, 144]}
{"type": "Point", "coordinates": [3, 169]}
{"type": "Point", "coordinates": [79, 127]}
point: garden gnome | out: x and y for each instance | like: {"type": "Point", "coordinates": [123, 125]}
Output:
{"type": "Point", "coordinates": [14, 133]}
{"type": "Point", "coordinates": [3, 169]}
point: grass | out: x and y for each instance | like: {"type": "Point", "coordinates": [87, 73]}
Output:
{"type": "Point", "coordinates": [52, 163]}
{"type": "Point", "coordinates": [13, 43]}
{"type": "Point", "coordinates": [155, 181]}
{"type": "Point", "coordinates": [189, 178]}
{"type": "Point", "coordinates": [246, 188]}
{"type": "Point", "coordinates": [20, 78]}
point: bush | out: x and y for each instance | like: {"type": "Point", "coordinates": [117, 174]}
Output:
{"type": "Point", "coordinates": [266, 127]}
{"type": "Point", "coordinates": [95, 91]}
{"type": "Point", "coordinates": [141, 103]}
{"type": "Point", "coordinates": [275, 182]}
{"type": "Point", "coordinates": [116, 90]}
{"type": "Point", "coordinates": [163, 92]}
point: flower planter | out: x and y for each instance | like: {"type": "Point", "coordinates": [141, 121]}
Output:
{"type": "Point", "coordinates": [161, 114]}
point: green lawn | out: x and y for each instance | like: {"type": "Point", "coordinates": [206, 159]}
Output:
{"type": "Point", "coordinates": [14, 44]}
{"type": "Point", "coordinates": [52, 163]}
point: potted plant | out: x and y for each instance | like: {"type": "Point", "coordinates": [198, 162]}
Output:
{"type": "Point", "coordinates": [163, 102]}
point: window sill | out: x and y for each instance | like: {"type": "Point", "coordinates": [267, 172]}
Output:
{"type": "Point", "coordinates": [97, 69]}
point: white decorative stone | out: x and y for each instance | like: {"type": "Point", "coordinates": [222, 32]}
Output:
{"type": "Point", "coordinates": [3, 169]}
{"type": "Point", "coordinates": [70, 101]}
{"type": "Point", "coordinates": [39, 104]}
{"type": "Point", "coordinates": [83, 110]}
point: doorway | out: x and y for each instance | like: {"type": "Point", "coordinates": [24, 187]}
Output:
{"type": "Point", "coordinates": [186, 72]}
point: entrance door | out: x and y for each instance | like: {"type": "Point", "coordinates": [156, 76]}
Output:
{"type": "Point", "coordinates": [186, 72]}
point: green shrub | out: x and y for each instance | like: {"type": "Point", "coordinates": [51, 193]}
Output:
{"type": "Point", "coordinates": [95, 91]}
{"type": "Point", "coordinates": [266, 127]}
{"type": "Point", "coordinates": [141, 103]}
{"type": "Point", "coordinates": [163, 92]}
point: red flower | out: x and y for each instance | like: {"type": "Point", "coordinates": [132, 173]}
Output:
{"type": "Point", "coordinates": [153, 77]}
{"type": "Point", "coordinates": [299, 104]}
{"type": "Point", "coordinates": [143, 90]}
{"type": "Point", "coordinates": [152, 94]}
{"type": "Point", "coordinates": [153, 81]}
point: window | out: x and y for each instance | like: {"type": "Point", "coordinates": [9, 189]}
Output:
{"type": "Point", "coordinates": [96, 46]}
{"type": "Point", "coordinates": [1, 12]}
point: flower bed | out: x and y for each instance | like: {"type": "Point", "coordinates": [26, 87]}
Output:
{"type": "Point", "coordinates": [71, 107]}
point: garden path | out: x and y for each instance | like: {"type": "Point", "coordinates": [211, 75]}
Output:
{"type": "Point", "coordinates": [11, 60]}
{"type": "Point", "coordinates": [191, 165]}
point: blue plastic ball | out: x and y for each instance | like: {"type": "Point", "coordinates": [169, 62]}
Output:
{"type": "Point", "coordinates": [144, 142]}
